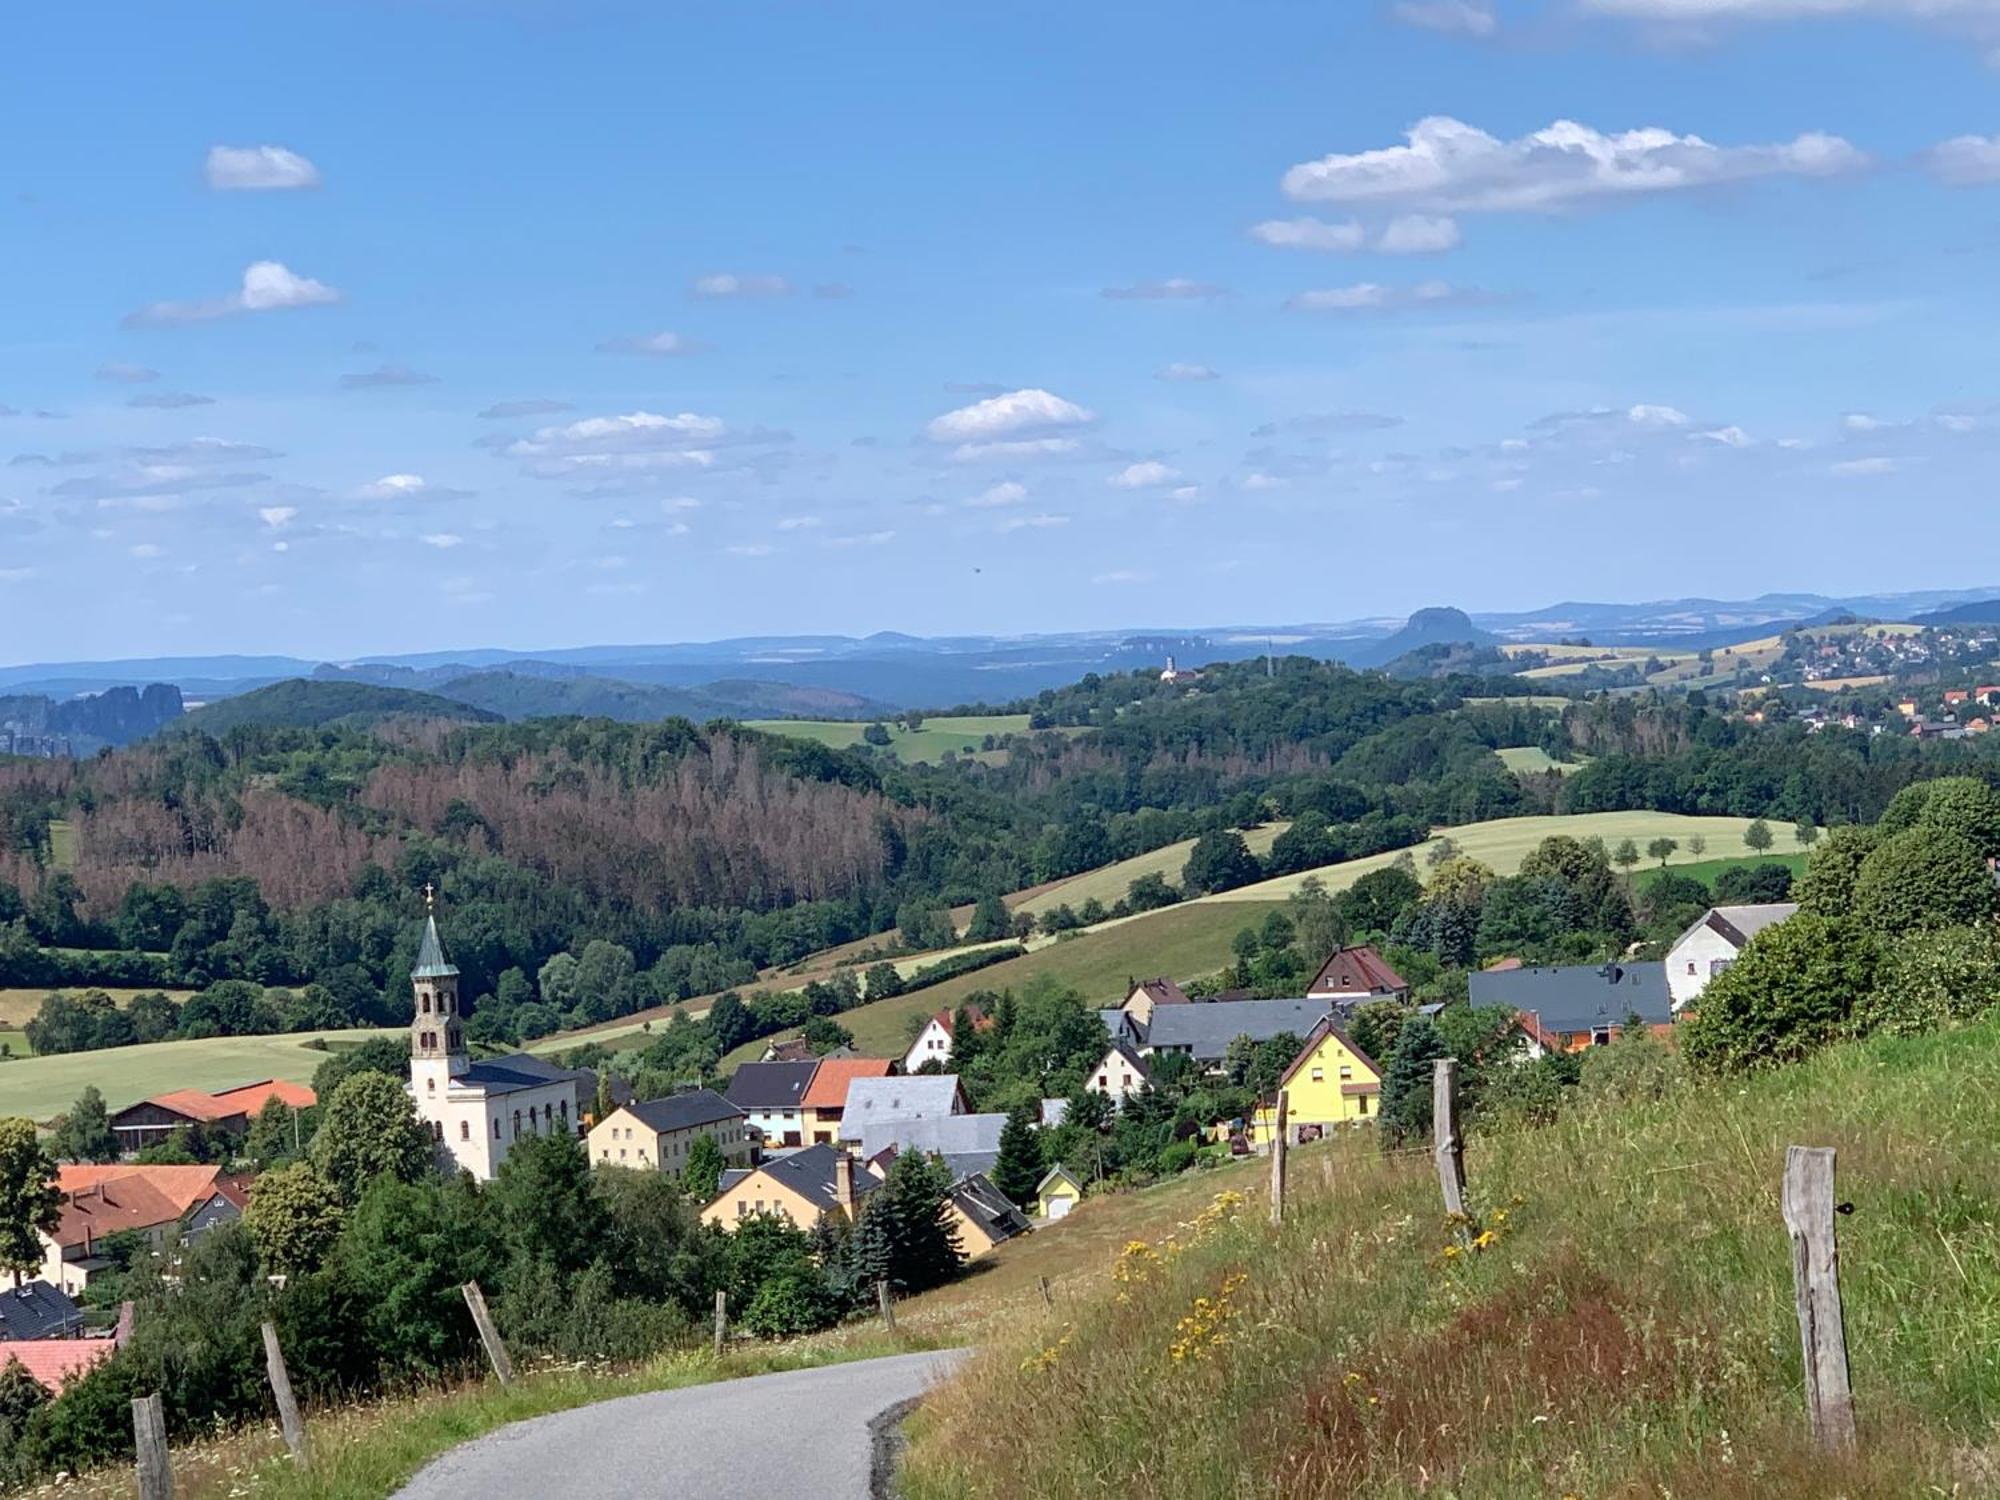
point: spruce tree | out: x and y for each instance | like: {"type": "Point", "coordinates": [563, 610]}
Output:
{"type": "Point", "coordinates": [1406, 1082]}
{"type": "Point", "coordinates": [1019, 1170]}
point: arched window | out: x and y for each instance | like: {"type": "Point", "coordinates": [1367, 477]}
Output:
{"type": "Point", "coordinates": [465, 1130]}
{"type": "Point", "coordinates": [517, 1124]}
{"type": "Point", "coordinates": [424, 1002]}
{"type": "Point", "coordinates": [430, 1085]}
{"type": "Point", "coordinates": [496, 1127]}
{"type": "Point", "coordinates": [437, 1130]}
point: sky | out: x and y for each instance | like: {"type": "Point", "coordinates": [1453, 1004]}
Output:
{"type": "Point", "coordinates": [399, 325]}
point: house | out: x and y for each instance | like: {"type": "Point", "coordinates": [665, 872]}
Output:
{"type": "Point", "coordinates": [826, 1097]}
{"type": "Point", "coordinates": [1352, 975]}
{"type": "Point", "coordinates": [476, 1111]}
{"type": "Point", "coordinates": [1148, 993]}
{"type": "Point", "coordinates": [1989, 697]}
{"type": "Point", "coordinates": [967, 1143]}
{"type": "Point", "coordinates": [165, 1206]}
{"type": "Point", "coordinates": [1711, 945]}
{"type": "Point", "coordinates": [773, 1096]}
{"type": "Point", "coordinates": [926, 1096]}
{"type": "Point", "coordinates": [1123, 1071]}
{"type": "Point", "coordinates": [1204, 1032]}
{"type": "Point", "coordinates": [1955, 696]}
{"type": "Point", "coordinates": [982, 1215]}
{"type": "Point", "coordinates": [1124, 1026]}
{"type": "Point", "coordinates": [1907, 707]}
{"type": "Point", "coordinates": [1575, 1006]}
{"type": "Point", "coordinates": [38, 1310]}
{"type": "Point", "coordinates": [792, 1049]}
{"type": "Point", "coordinates": [1331, 1082]}
{"type": "Point", "coordinates": [658, 1134]}
{"type": "Point", "coordinates": [151, 1121]}
{"type": "Point", "coordinates": [54, 1362]}
{"type": "Point", "coordinates": [802, 1188]}
{"type": "Point", "coordinates": [933, 1043]}
{"type": "Point", "coordinates": [1057, 1194]}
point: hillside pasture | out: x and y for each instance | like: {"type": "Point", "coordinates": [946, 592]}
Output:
{"type": "Point", "coordinates": [1841, 684]}
{"type": "Point", "coordinates": [1533, 760]}
{"type": "Point", "coordinates": [1109, 883]}
{"type": "Point", "coordinates": [18, 1006]}
{"type": "Point", "coordinates": [963, 735]}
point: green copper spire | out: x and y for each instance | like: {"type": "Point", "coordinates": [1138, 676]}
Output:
{"type": "Point", "coordinates": [431, 962]}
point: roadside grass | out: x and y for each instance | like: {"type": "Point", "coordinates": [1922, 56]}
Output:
{"type": "Point", "coordinates": [370, 1450]}
{"type": "Point", "coordinates": [1629, 1331]}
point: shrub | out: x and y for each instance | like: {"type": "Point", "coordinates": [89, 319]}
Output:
{"type": "Point", "coordinates": [1827, 887]}
{"type": "Point", "coordinates": [797, 1300]}
{"type": "Point", "coordinates": [1792, 990]}
{"type": "Point", "coordinates": [1931, 980]}
{"type": "Point", "coordinates": [1923, 879]}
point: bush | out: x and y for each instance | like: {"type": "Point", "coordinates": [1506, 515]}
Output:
{"type": "Point", "coordinates": [1931, 980]}
{"type": "Point", "coordinates": [1753, 885]}
{"type": "Point", "coordinates": [1791, 991]}
{"type": "Point", "coordinates": [796, 1300]}
{"type": "Point", "coordinates": [1923, 879]}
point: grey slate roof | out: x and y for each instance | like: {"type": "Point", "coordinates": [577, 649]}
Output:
{"type": "Point", "coordinates": [523, 1070]}
{"type": "Point", "coordinates": [970, 1143]}
{"type": "Point", "coordinates": [1579, 997]}
{"type": "Point", "coordinates": [983, 1203]}
{"type": "Point", "coordinates": [1206, 1028]}
{"type": "Point", "coordinates": [916, 1096]}
{"type": "Point", "coordinates": [431, 962]}
{"type": "Point", "coordinates": [684, 1111]}
{"type": "Point", "coordinates": [770, 1085]}
{"type": "Point", "coordinates": [38, 1310]}
{"type": "Point", "coordinates": [810, 1174]}
{"type": "Point", "coordinates": [1739, 924]}
{"type": "Point", "coordinates": [1124, 1026]}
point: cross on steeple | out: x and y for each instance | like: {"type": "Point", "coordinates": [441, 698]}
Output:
{"type": "Point", "coordinates": [430, 897]}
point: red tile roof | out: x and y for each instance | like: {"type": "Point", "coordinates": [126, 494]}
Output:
{"type": "Point", "coordinates": [1160, 992]}
{"type": "Point", "coordinates": [1356, 971]}
{"type": "Point", "coordinates": [251, 1097]}
{"type": "Point", "coordinates": [101, 1200]}
{"type": "Point", "coordinates": [54, 1362]}
{"type": "Point", "coordinates": [195, 1104]}
{"type": "Point", "coordinates": [828, 1089]}
{"type": "Point", "coordinates": [948, 1019]}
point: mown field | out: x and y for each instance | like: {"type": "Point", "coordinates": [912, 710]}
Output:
{"type": "Point", "coordinates": [18, 1005]}
{"type": "Point", "coordinates": [964, 735]}
{"type": "Point", "coordinates": [1628, 1330]}
{"type": "Point", "coordinates": [1705, 870]}
{"type": "Point", "coordinates": [40, 1087]}
{"type": "Point", "coordinates": [1532, 760]}
{"type": "Point", "coordinates": [1109, 883]}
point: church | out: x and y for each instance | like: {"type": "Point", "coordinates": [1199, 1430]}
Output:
{"type": "Point", "coordinates": [475, 1111]}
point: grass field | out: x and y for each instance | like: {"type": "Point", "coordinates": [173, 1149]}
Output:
{"type": "Point", "coordinates": [44, 1086]}
{"type": "Point", "coordinates": [1532, 760]}
{"type": "Point", "coordinates": [1501, 843]}
{"type": "Point", "coordinates": [1705, 870]}
{"type": "Point", "coordinates": [1110, 883]}
{"type": "Point", "coordinates": [964, 735]}
{"type": "Point", "coordinates": [1628, 1330]}
{"type": "Point", "coordinates": [18, 1006]}
{"type": "Point", "coordinates": [1836, 684]}
{"type": "Point", "coordinates": [62, 844]}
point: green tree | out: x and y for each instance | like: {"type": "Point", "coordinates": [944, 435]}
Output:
{"type": "Point", "coordinates": [1406, 1081]}
{"type": "Point", "coordinates": [701, 1175]}
{"type": "Point", "coordinates": [1697, 845]}
{"type": "Point", "coordinates": [990, 920]}
{"type": "Point", "coordinates": [1827, 887]}
{"type": "Point", "coordinates": [557, 981]}
{"type": "Point", "coordinates": [387, 1055]}
{"type": "Point", "coordinates": [1806, 832]}
{"type": "Point", "coordinates": [294, 1218]}
{"type": "Point", "coordinates": [1625, 856]}
{"type": "Point", "coordinates": [824, 1034]}
{"type": "Point", "coordinates": [1019, 1169]}
{"type": "Point", "coordinates": [1923, 878]}
{"type": "Point", "coordinates": [1757, 837]}
{"type": "Point", "coordinates": [1932, 980]}
{"type": "Point", "coordinates": [1220, 861]}
{"type": "Point", "coordinates": [883, 981]}
{"type": "Point", "coordinates": [1791, 991]}
{"type": "Point", "coordinates": [546, 1204]}
{"type": "Point", "coordinates": [911, 1210]}
{"type": "Point", "coordinates": [1961, 805]}
{"type": "Point", "coordinates": [1377, 899]}
{"type": "Point", "coordinates": [876, 734]}
{"type": "Point", "coordinates": [796, 1300]}
{"type": "Point", "coordinates": [85, 1133]}
{"type": "Point", "coordinates": [30, 1202]}
{"type": "Point", "coordinates": [367, 1130]}
{"type": "Point", "coordinates": [279, 1134]}
{"type": "Point", "coordinates": [1662, 849]}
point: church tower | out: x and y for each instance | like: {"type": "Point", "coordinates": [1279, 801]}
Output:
{"type": "Point", "coordinates": [437, 1030]}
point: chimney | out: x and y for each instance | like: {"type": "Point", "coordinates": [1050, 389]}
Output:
{"type": "Point", "coordinates": [843, 1181]}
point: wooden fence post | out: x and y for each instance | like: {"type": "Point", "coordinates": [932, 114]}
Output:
{"type": "Point", "coordinates": [281, 1391]}
{"type": "Point", "coordinates": [1450, 1149]}
{"type": "Point", "coordinates": [149, 1433]}
{"type": "Point", "coordinates": [1048, 1297]}
{"type": "Point", "coordinates": [721, 1321]}
{"type": "Point", "coordinates": [887, 1304]}
{"type": "Point", "coordinates": [496, 1351]}
{"type": "Point", "coordinates": [1278, 1160]}
{"type": "Point", "coordinates": [1809, 1209]}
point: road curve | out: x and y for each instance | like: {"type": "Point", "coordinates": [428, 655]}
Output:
{"type": "Point", "coordinates": [798, 1435]}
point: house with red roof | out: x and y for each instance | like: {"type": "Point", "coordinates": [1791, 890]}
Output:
{"type": "Point", "coordinates": [1146, 994]}
{"type": "Point", "coordinates": [153, 1120]}
{"type": "Point", "coordinates": [54, 1362]}
{"type": "Point", "coordinates": [825, 1099]}
{"type": "Point", "coordinates": [164, 1205]}
{"type": "Point", "coordinates": [1352, 975]}
{"type": "Point", "coordinates": [933, 1043]}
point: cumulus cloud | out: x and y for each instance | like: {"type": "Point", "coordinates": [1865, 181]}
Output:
{"type": "Point", "coordinates": [1016, 450]}
{"type": "Point", "coordinates": [122, 372]}
{"type": "Point", "coordinates": [1182, 372]}
{"type": "Point", "coordinates": [1405, 234]}
{"type": "Point", "coordinates": [403, 487]}
{"type": "Point", "coordinates": [259, 169]}
{"type": "Point", "coordinates": [1175, 289]}
{"type": "Point", "coordinates": [1016, 414]}
{"type": "Point", "coordinates": [1448, 166]}
{"type": "Point", "coordinates": [170, 400]}
{"type": "Point", "coordinates": [1965, 161]}
{"type": "Point", "coordinates": [278, 517]}
{"type": "Point", "coordinates": [534, 406]}
{"type": "Point", "coordinates": [268, 286]}
{"type": "Point", "coordinates": [383, 376]}
{"type": "Point", "coordinates": [633, 448]}
{"type": "Point", "coordinates": [1453, 17]}
{"type": "Point", "coordinates": [1145, 475]}
{"type": "Point", "coordinates": [729, 284]}
{"type": "Point", "coordinates": [1007, 492]}
{"type": "Point", "coordinates": [1371, 296]}
{"type": "Point", "coordinates": [664, 344]}
{"type": "Point", "coordinates": [443, 540]}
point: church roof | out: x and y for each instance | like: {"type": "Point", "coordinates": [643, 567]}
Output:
{"type": "Point", "coordinates": [431, 962]}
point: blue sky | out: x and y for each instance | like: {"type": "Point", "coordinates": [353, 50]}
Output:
{"type": "Point", "coordinates": [357, 327]}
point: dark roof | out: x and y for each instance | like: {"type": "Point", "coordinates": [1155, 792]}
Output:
{"type": "Point", "coordinates": [771, 1085]}
{"type": "Point", "coordinates": [1206, 1028]}
{"type": "Point", "coordinates": [522, 1070]}
{"type": "Point", "coordinates": [809, 1173]}
{"type": "Point", "coordinates": [1356, 971]}
{"type": "Point", "coordinates": [1123, 1025]}
{"type": "Point", "coordinates": [684, 1111]}
{"type": "Point", "coordinates": [431, 962]}
{"type": "Point", "coordinates": [1127, 1051]}
{"type": "Point", "coordinates": [983, 1203]}
{"type": "Point", "coordinates": [1579, 997]}
{"type": "Point", "coordinates": [38, 1311]}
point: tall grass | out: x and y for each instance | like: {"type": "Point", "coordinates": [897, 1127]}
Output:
{"type": "Point", "coordinates": [1627, 1329]}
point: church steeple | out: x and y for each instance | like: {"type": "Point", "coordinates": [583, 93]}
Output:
{"type": "Point", "coordinates": [437, 1031]}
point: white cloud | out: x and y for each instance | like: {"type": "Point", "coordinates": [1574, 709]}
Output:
{"type": "Point", "coordinates": [1965, 161]}
{"type": "Point", "coordinates": [442, 540]}
{"type": "Point", "coordinates": [663, 343]}
{"type": "Point", "coordinates": [1007, 492]}
{"type": "Point", "coordinates": [864, 539]}
{"type": "Point", "coordinates": [1728, 437]}
{"type": "Point", "coordinates": [1181, 372]}
{"type": "Point", "coordinates": [1980, 16]}
{"type": "Point", "coordinates": [268, 286]}
{"type": "Point", "coordinates": [277, 517]}
{"type": "Point", "coordinates": [1010, 415]}
{"type": "Point", "coordinates": [16, 575]}
{"type": "Point", "coordinates": [1861, 468]}
{"type": "Point", "coordinates": [729, 284]}
{"type": "Point", "coordinates": [800, 523]}
{"type": "Point", "coordinates": [1122, 575]}
{"type": "Point", "coordinates": [1406, 234]}
{"type": "Point", "coordinates": [1646, 415]}
{"type": "Point", "coordinates": [1311, 234]}
{"type": "Point", "coordinates": [1175, 289]}
{"type": "Point", "coordinates": [1261, 481]}
{"type": "Point", "coordinates": [1448, 166]}
{"type": "Point", "coordinates": [1021, 450]}
{"type": "Point", "coordinates": [1370, 296]}
{"type": "Point", "coordinates": [1861, 421]}
{"type": "Point", "coordinates": [122, 372]}
{"type": "Point", "coordinates": [1147, 474]}
{"type": "Point", "coordinates": [1035, 522]}
{"type": "Point", "coordinates": [748, 549]}
{"type": "Point", "coordinates": [1418, 234]}
{"type": "Point", "coordinates": [259, 168]}
{"type": "Point", "coordinates": [385, 376]}
{"type": "Point", "coordinates": [1453, 17]}
{"type": "Point", "coordinates": [145, 550]}
{"type": "Point", "coordinates": [396, 487]}
{"type": "Point", "coordinates": [639, 431]}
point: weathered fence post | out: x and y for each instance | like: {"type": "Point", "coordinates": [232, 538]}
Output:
{"type": "Point", "coordinates": [1809, 1209]}
{"type": "Point", "coordinates": [1278, 1160]}
{"type": "Point", "coordinates": [281, 1391]}
{"type": "Point", "coordinates": [721, 1321]}
{"type": "Point", "coordinates": [1048, 1297]}
{"type": "Point", "coordinates": [496, 1351]}
{"type": "Point", "coordinates": [149, 1433]}
{"type": "Point", "coordinates": [887, 1304]}
{"type": "Point", "coordinates": [1450, 1149]}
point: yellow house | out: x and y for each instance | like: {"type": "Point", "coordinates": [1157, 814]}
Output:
{"type": "Point", "coordinates": [656, 1135]}
{"type": "Point", "coordinates": [1057, 1194]}
{"type": "Point", "coordinates": [982, 1216]}
{"type": "Point", "coordinates": [802, 1187]}
{"type": "Point", "coordinates": [1331, 1082]}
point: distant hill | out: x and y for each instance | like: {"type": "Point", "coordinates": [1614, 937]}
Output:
{"type": "Point", "coordinates": [40, 724]}
{"type": "Point", "coordinates": [1977, 612]}
{"type": "Point", "coordinates": [533, 689]}
{"type": "Point", "coordinates": [299, 703]}
{"type": "Point", "coordinates": [1436, 626]}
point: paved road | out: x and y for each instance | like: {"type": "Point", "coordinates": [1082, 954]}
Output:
{"type": "Point", "coordinates": [800, 1435]}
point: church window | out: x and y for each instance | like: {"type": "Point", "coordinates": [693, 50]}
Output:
{"type": "Point", "coordinates": [424, 1003]}
{"type": "Point", "coordinates": [437, 1130]}
{"type": "Point", "coordinates": [430, 1085]}
{"type": "Point", "coordinates": [496, 1127]}
{"type": "Point", "coordinates": [465, 1130]}
{"type": "Point", "coordinates": [517, 1124]}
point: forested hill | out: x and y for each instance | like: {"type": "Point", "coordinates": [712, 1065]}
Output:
{"type": "Point", "coordinates": [299, 703]}
{"type": "Point", "coordinates": [117, 716]}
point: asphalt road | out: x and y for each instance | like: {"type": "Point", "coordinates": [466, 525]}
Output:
{"type": "Point", "coordinates": [799, 1435]}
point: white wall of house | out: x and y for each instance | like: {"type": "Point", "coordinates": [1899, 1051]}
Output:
{"type": "Point", "coordinates": [622, 1140]}
{"type": "Point", "coordinates": [1115, 1077]}
{"type": "Point", "coordinates": [1694, 960]}
{"type": "Point", "coordinates": [933, 1044]}
{"type": "Point", "coordinates": [775, 1125]}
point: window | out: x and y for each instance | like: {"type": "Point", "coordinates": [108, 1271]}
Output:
{"type": "Point", "coordinates": [496, 1127]}
{"type": "Point", "coordinates": [1690, 966]}
{"type": "Point", "coordinates": [465, 1130]}
{"type": "Point", "coordinates": [1319, 1075]}
{"type": "Point", "coordinates": [437, 1130]}
{"type": "Point", "coordinates": [1362, 1101]}
{"type": "Point", "coordinates": [424, 1002]}
{"type": "Point", "coordinates": [1103, 1082]}
{"type": "Point", "coordinates": [1601, 1037]}
{"type": "Point", "coordinates": [742, 1209]}
{"type": "Point", "coordinates": [517, 1124]}
{"type": "Point", "coordinates": [1346, 1073]}
{"type": "Point", "coordinates": [430, 1085]}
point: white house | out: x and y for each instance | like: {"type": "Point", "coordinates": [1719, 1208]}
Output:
{"type": "Point", "coordinates": [475, 1111]}
{"type": "Point", "coordinates": [1711, 945]}
{"type": "Point", "coordinates": [933, 1043]}
{"type": "Point", "coordinates": [1121, 1073]}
